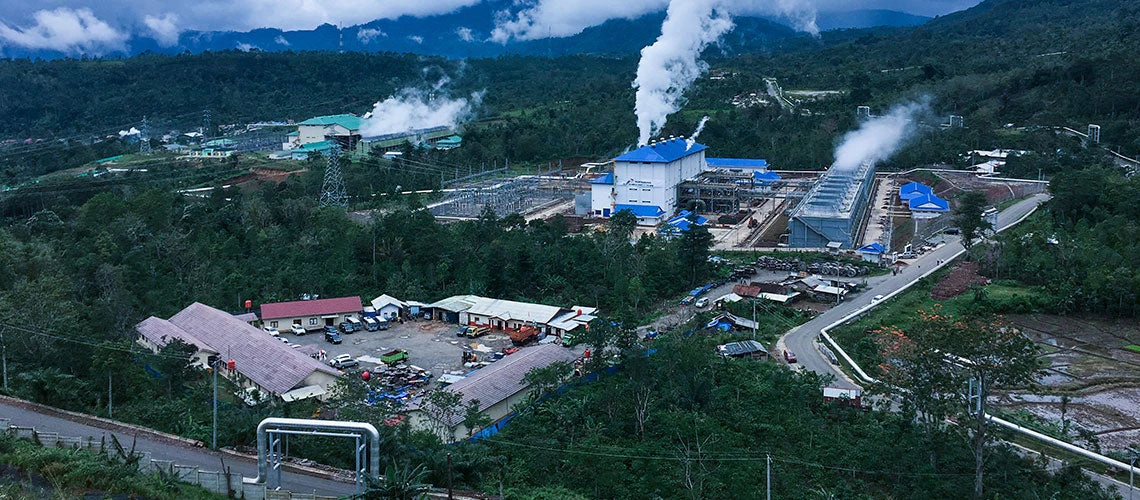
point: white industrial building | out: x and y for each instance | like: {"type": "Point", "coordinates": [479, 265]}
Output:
{"type": "Point", "coordinates": [645, 180]}
{"type": "Point", "coordinates": [506, 315]}
{"type": "Point", "coordinates": [320, 128]}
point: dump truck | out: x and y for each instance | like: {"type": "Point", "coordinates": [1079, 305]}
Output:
{"type": "Point", "coordinates": [524, 335]}
{"type": "Point", "coordinates": [394, 357]}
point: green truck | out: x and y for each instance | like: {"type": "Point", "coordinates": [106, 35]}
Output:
{"type": "Point", "coordinates": [394, 357]}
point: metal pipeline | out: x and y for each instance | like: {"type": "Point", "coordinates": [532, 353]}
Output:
{"type": "Point", "coordinates": [314, 427]}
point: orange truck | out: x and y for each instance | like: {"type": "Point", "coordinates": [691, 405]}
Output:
{"type": "Point", "coordinates": [524, 335]}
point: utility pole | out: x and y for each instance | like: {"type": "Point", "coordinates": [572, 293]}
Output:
{"type": "Point", "coordinates": [1134, 454]}
{"type": "Point", "coordinates": [214, 442]}
{"type": "Point", "coordinates": [449, 493]}
{"type": "Point", "coordinates": [753, 318]}
{"type": "Point", "coordinates": [110, 396]}
{"type": "Point", "coordinates": [4, 356]}
{"type": "Point", "coordinates": [768, 482]}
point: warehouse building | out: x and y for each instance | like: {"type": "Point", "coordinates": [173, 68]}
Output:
{"type": "Point", "coordinates": [311, 314]}
{"type": "Point", "coordinates": [505, 315]}
{"type": "Point", "coordinates": [831, 213]}
{"type": "Point", "coordinates": [497, 388]}
{"type": "Point", "coordinates": [345, 129]}
{"type": "Point", "coordinates": [262, 364]}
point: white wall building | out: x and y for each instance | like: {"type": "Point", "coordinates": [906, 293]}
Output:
{"type": "Point", "coordinates": [645, 180]}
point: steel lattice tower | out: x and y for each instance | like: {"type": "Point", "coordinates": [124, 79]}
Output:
{"type": "Point", "coordinates": [144, 137]}
{"type": "Point", "coordinates": [332, 191]}
{"type": "Point", "coordinates": [206, 123]}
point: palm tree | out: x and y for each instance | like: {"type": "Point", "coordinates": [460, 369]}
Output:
{"type": "Point", "coordinates": [397, 483]}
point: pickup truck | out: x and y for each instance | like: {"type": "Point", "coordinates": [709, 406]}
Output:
{"type": "Point", "coordinates": [394, 357]}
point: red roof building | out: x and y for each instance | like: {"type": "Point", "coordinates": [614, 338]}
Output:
{"type": "Point", "coordinates": [311, 313]}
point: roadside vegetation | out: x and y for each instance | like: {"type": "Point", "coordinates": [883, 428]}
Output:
{"type": "Point", "coordinates": [29, 470]}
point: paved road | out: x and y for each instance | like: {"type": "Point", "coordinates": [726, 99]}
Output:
{"type": "Point", "coordinates": [163, 449]}
{"type": "Point", "coordinates": [802, 340]}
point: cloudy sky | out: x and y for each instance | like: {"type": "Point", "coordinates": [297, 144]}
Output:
{"type": "Point", "coordinates": [101, 26]}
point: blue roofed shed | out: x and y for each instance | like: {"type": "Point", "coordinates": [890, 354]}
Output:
{"type": "Point", "coordinates": [929, 203]}
{"type": "Point", "coordinates": [873, 252]}
{"type": "Point", "coordinates": [766, 177]}
{"type": "Point", "coordinates": [604, 179]}
{"type": "Point", "coordinates": [912, 190]}
{"type": "Point", "coordinates": [647, 215]}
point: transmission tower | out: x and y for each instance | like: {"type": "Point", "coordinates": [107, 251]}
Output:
{"type": "Point", "coordinates": [332, 191]}
{"type": "Point", "coordinates": [206, 123]}
{"type": "Point", "coordinates": [144, 137]}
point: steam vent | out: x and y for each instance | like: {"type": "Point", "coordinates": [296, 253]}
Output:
{"type": "Point", "coordinates": [832, 210]}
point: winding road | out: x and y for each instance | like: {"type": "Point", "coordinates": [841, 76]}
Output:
{"type": "Point", "coordinates": [802, 339]}
{"type": "Point", "coordinates": [160, 447]}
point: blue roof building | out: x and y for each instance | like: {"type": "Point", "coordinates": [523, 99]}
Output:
{"type": "Point", "coordinates": [663, 152]}
{"type": "Point", "coordinates": [647, 178]}
{"type": "Point", "coordinates": [737, 163]}
{"type": "Point", "coordinates": [873, 248]}
{"type": "Point", "coordinates": [607, 179]}
{"type": "Point", "coordinates": [913, 190]}
{"type": "Point", "coordinates": [928, 203]}
{"type": "Point", "coordinates": [766, 178]}
{"type": "Point", "coordinates": [682, 222]}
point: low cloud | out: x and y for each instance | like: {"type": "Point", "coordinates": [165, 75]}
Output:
{"type": "Point", "coordinates": [164, 29]}
{"type": "Point", "coordinates": [464, 33]}
{"type": "Point", "coordinates": [416, 38]}
{"type": "Point", "coordinates": [246, 47]}
{"type": "Point", "coordinates": [280, 40]}
{"type": "Point", "coordinates": [72, 31]}
{"type": "Point", "coordinates": [367, 35]}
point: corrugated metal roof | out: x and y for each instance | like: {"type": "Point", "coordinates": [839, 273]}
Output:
{"type": "Point", "coordinates": [319, 307]}
{"type": "Point", "coordinates": [736, 163]}
{"type": "Point", "coordinates": [457, 303]}
{"type": "Point", "coordinates": [913, 190]}
{"type": "Point", "coordinates": [666, 151]}
{"type": "Point", "coordinates": [604, 179]}
{"type": "Point", "coordinates": [873, 248]}
{"type": "Point", "coordinates": [349, 122]}
{"type": "Point", "coordinates": [160, 332]}
{"type": "Point", "coordinates": [504, 378]}
{"type": "Point", "coordinates": [641, 210]}
{"type": "Point", "coordinates": [385, 300]}
{"type": "Point", "coordinates": [929, 203]}
{"type": "Point", "coordinates": [270, 364]}
{"type": "Point", "coordinates": [511, 310]}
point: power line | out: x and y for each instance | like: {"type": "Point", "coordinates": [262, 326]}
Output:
{"type": "Point", "coordinates": [723, 457]}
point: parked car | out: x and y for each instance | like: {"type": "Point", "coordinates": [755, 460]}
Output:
{"type": "Point", "coordinates": [347, 327]}
{"type": "Point", "coordinates": [272, 331]}
{"type": "Point", "coordinates": [297, 330]}
{"type": "Point", "coordinates": [343, 361]}
{"type": "Point", "coordinates": [701, 302]}
{"type": "Point", "coordinates": [332, 337]}
{"type": "Point", "coordinates": [789, 356]}
{"type": "Point", "coordinates": [285, 340]}
{"type": "Point", "coordinates": [876, 299]}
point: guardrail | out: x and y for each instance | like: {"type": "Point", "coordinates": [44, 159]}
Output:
{"type": "Point", "coordinates": [222, 483]}
{"type": "Point", "coordinates": [1111, 462]}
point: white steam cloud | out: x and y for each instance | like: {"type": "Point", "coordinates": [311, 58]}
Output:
{"type": "Point", "coordinates": [280, 40]}
{"type": "Point", "coordinates": [696, 133]}
{"type": "Point", "coordinates": [73, 31]}
{"type": "Point", "coordinates": [414, 109]}
{"type": "Point", "coordinates": [672, 63]}
{"type": "Point", "coordinates": [880, 137]}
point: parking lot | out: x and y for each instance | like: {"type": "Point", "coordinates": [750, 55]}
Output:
{"type": "Point", "coordinates": [431, 345]}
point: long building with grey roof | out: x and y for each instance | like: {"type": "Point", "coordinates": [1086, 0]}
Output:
{"type": "Point", "coordinates": [261, 362]}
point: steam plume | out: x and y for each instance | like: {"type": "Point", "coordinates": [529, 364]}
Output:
{"type": "Point", "coordinates": [672, 63]}
{"type": "Point", "coordinates": [880, 137]}
{"type": "Point", "coordinates": [696, 133]}
{"type": "Point", "coordinates": [414, 109]}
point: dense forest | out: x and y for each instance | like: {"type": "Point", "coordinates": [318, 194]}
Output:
{"type": "Point", "coordinates": [83, 260]}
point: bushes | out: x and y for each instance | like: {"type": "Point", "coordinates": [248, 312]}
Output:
{"type": "Point", "coordinates": [70, 470]}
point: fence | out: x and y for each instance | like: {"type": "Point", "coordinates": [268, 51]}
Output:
{"type": "Point", "coordinates": [229, 484]}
